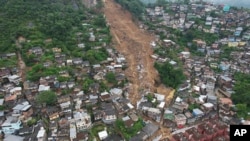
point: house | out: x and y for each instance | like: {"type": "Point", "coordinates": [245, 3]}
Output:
{"type": "Point", "coordinates": [65, 105]}
{"type": "Point", "coordinates": [36, 51]}
{"type": "Point", "coordinates": [11, 137]}
{"type": "Point", "coordinates": [168, 119]}
{"type": "Point", "coordinates": [63, 98]}
{"type": "Point", "coordinates": [16, 91]}
{"type": "Point", "coordinates": [25, 131]}
{"type": "Point", "coordinates": [180, 120]}
{"type": "Point", "coordinates": [96, 67]}
{"type": "Point", "coordinates": [190, 118]}
{"type": "Point", "coordinates": [24, 110]}
{"type": "Point", "coordinates": [43, 88]}
{"type": "Point", "coordinates": [185, 54]}
{"type": "Point", "coordinates": [92, 37]}
{"type": "Point", "coordinates": [15, 79]}
{"type": "Point", "coordinates": [114, 137]}
{"type": "Point", "coordinates": [52, 113]}
{"type": "Point", "coordinates": [63, 123]}
{"type": "Point", "coordinates": [72, 132]}
{"type": "Point", "coordinates": [11, 124]}
{"type": "Point", "coordinates": [93, 98]}
{"type": "Point", "coordinates": [159, 97]}
{"type": "Point", "coordinates": [142, 136]}
{"type": "Point", "coordinates": [197, 112]}
{"type": "Point", "coordinates": [180, 106]}
{"type": "Point", "coordinates": [116, 93]}
{"type": "Point", "coordinates": [94, 88]}
{"type": "Point", "coordinates": [81, 45]}
{"type": "Point", "coordinates": [209, 21]}
{"type": "Point", "coordinates": [109, 113]}
{"type": "Point", "coordinates": [98, 114]}
{"type": "Point", "coordinates": [238, 31]}
{"type": "Point", "coordinates": [128, 121]}
{"type": "Point", "coordinates": [105, 96]}
{"type": "Point", "coordinates": [30, 86]}
{"type": "Point", "coordinates": [77, 61]}
{"type": "Point", "coordinates": [153, 113]}
{"type": "Point", "coordinates": [82, 136]}
{"type": "Point", "coordinates": [56, 50]}
{"type": "Point", "coordinates": [4, 72]}
{"type": "Point", "coordinates": [82, 120]}
{"type": "Point", "coordinates": [150, 129]}
{"type": "Point", "coordinates": [226, 8]}
{"type": "Point", "coordinates": [103, 135]}
{"type": "Point", "coordinates": [42, 135]}
{"type": "Point", "coordinates": [63, 134]}
{"type": "Point", "coordinates": [179, 137]}
{"type": "Point", "coordinates": [207, 107]}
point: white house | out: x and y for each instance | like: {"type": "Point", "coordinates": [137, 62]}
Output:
{"type": "Point", "coordinates": [82, 120]}
{"type": "Point", "coordinates": [72, 131]}
{"type": "Point", "coordinates": [43, 88]}
{"type": "Point", "coordinates": [15, 79]}
{"type": "Point", "coordinates": [103, 135]}
{"type": "Point", "coordinates": [11, 124]}
{"type": "Point", "coordinates": [65, 105]}
{"type": "Point", "coordinates": [16, 90]}
{"type": "Point", "coordinates": [41, 136]}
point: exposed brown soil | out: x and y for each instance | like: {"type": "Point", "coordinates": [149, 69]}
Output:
{"type": "Point", "coordinates": [21, 63]}
{"type": "Point", "coordinates": [134, 43]}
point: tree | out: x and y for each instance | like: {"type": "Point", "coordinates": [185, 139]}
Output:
{"type": "Point", "coordinates": [32, 121]}
{"type": "Point", "coordinates": [110, 77]}
{"type": "Point", "coordinates": [169, 75]}
{"type": "Point", "coordinates": [242, 111]}
{"type": "Point", "coordinates": [86, 83]}
{"type": "Point", "coordinates": [47, 97]}
{"type": "Point", "coordinates": [241, 88]}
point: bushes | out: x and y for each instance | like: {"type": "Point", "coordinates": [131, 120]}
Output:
{"type": "Point", "coordinates": [47, 97]}
{"type": "Point", "coordinates": [169, 75]}
{"type": "Point", "coordinates": [129, 132]}
{"type": "Point", "coordinates": [242, 94]}
{"type": "Point", "coordinates": [110, 77]}
{"type": "Point", "coordinates": [134, 6]}
{"type": "Point", "coordinates": [32, 18]}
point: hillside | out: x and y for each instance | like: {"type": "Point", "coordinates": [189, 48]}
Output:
{"type": "Point", "coordinates": [37, 20]}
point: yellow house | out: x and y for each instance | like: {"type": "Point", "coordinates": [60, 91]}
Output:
{"type": "Point", "coordinates": [233, 44]}
{"type": "Point", "coordinates": [56, 50]}
{"type": "Point", "coordinates": [241, 44]}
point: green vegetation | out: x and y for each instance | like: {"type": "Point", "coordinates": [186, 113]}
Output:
{"type": "Point", "coordinates": [128, 132]}
{"type": "Point", "coordinates": [193, 106]}
{"type": "Point", "coordinates": [95, 129]}
{"type": "Point", "coordinates": [8, 62]}
{"type": "Point", "coordinates": [227, 52]}
{"type": "Point", "coordinates": [150, 97]}
{"type": "Point", "coordinates": [136, 7]}
{"type": "Point", "coordinates": [169, 75]}
{"type": "Point", "coordinates": [47, 97]}
{"type": "Point", "coordinates": [32, 121]}
{"type": "Point", "coordinates": [38, 20]}
{"type": "Point", "coordinates": [39, 70]}
{"type": "Point", "coordinates": [86, 83]}
{"type": "Point", "coordinates": [242, 94]}
{"type": "Point", "coordinates": [2, 107]}
{"type": "Point", "coordinates": [242, 111]}
{"type": "Point", "coordinates": [110, 77]}
{"type": "Point", "coordinates": [197, 34]}
{"type": "Point", "coordinates": [96, 56]}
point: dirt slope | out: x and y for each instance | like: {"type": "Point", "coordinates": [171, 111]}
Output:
{"type": "Point", "coordinates": [134, 43]}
